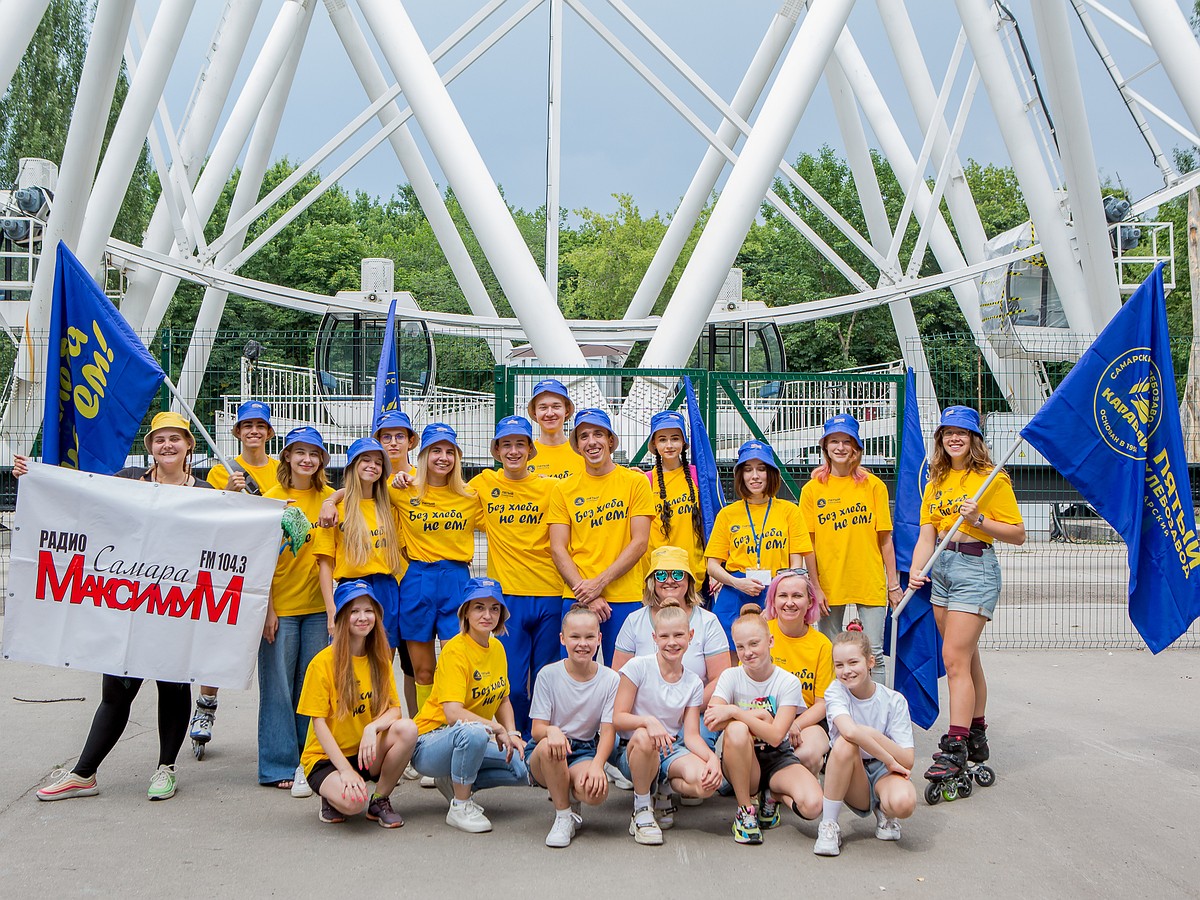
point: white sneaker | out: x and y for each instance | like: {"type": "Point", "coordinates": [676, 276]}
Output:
{"type": "Point", "coordinates": [428, 781]}
{"type": "Point", "coordinates": [829, 839]}
{"type": "Point", "coordinates": [411, 774]}
{"type": "Point", "coordinates": [689, 801]}
{"type": "Point", "coordinates": [886, 829]}
{"type": "Point", "coordinates": [644, 829]}
{"type": "Point", "coordinates": [300, 786]}
{"type": "Point", "coordinates": [664, 810]}
{"type": "Point", "coordinates": [615, 776]}
{"type": "Point", "coordinates": [468, 817]}
{"type": "Point", "coordinates": [562, 830]}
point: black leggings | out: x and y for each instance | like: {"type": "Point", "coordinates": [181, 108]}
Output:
{"type": "Point", "coordinates": [174, 714]}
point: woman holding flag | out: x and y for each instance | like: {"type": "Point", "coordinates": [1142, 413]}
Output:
{"type": "Point", "coordinates": [170, 444]}
{"type": "Point", "coordinates": [966, 577]}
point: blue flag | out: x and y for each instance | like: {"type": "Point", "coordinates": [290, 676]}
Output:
{"type": "Point", "coordinates": [100, 378]}
{"type": "Point", "coordinates": [918, 657]}
{"type": "Point", "coordinates": [387, 376]}
{"type": "Point", "coordinates": [1112, 429]}
{"type": "Point", "coordinates": [708, 479]}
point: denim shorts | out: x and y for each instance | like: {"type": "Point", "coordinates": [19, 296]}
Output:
{"type": "Point", "coordinates": [620, 758]}
{"type": "Point", "coordinates": [875, 770]}
{"type": "Point", "coordinates": [581, 751]}
{"type": "Point", "coordinates": [965, 583]}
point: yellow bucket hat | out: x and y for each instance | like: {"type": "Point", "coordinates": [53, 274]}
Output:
{"type": "Point", "coordinates": [666, 559]}
{"type": "Point", "coordinates": [169, 420]}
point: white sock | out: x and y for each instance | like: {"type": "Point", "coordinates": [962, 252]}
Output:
{"type": "Point", "coordinates": [562, 813]}
{"type": "Point", "coordinates": [641, 801]}
{"type": "Point", "coordinates": [456, 803]}
{"type": "Point", "coordinates": [831, 809]}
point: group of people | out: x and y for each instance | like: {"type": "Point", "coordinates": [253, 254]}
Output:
{"type": "Point", "coordinates": [609, 642]}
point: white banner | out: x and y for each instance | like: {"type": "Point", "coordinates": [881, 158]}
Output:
{"type": "Point", "coordinates": [140, 579]}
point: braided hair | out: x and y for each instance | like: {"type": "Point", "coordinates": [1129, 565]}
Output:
{"type": "Point", "coordinates": [667, 513]}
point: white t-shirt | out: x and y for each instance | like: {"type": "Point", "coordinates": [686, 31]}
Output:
{"type": "Point", "coordinates": [575, 707]}
{"type": "Point", "coordinates": [781, 688]}
{"type": "Point", "coordinates": [885, 710]}
{"type": "Point", "coordinates": [708, 639]}
{"type": "Point", "coordinates": [666, 701]}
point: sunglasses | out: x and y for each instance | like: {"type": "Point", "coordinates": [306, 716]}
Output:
{"type": "Point", "coordinates": [675, 575]}
{"type": "Point", "coordinates": [800, 571]}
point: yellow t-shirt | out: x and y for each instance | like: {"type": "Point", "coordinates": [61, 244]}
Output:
{"type": "Point", "coordinates": [513, 514]}
{"type": "Point", "coordinates": [599, 511]}
{"type": "Point", "coordinates": [328, 542]}
{"type": "Point", "coordinates": [265, 476]}
{"type": "Point", "coordinates": [809, 658]}
{"type": "Point", "coordinates": [939, 505]}
{"type": "Point", "coordinates": [398, 495]}
{"type": "Point", "coordinates": [441, 525]}
{"type": "Point", "coordinates": [845, 520]}
{"type": "Point", "coordinates": [318, 700]}
{"type": "Point", "coordinates": [476, 677]}
{"type": "Point", "coordinates": [557, 462]}
{"type": "Point", "coordinates": [295, 588]}
{"type": "Point", "coordinates": [781, 533]}
{"type": "Point", "coordinates": [681, 532]}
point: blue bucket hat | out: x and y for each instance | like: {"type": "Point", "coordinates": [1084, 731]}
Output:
{"type": "Point", "coordinates": [514, 426]}
{"type": "Point", "coordinates": [361, 446]}
{"type": "Point", "coordinates": [393, 418]}
{"type": "Point", "coordinates": [668, 418]}
{"type": "Point", "coordinates": [306, 434]}
{"type": "Point", "coordinates": [843, 423]}
{"type": "Point", "coordinates": [756, 450]}
{"type": "Point", "coordinates": [590, 416]}
{"type": "Point", "coordinates": [484, 589]}
{"type": "Point", "coordinates": [961, 417]}
{"type": "Point", "coordinates": [346, 591]}
{"type": "Point", "coordinates": [550, 386]}
{"type": "Point", "coordinates": [439, 431]}
{"type": "Point", "coordinates": [254, 409]}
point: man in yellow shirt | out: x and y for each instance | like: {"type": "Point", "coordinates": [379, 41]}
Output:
{"type": "Point", "coordinates": [550, 407]}
{"type": "Point", "coordinates": [600, 528]}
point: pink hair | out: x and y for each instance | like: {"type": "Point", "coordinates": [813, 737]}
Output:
{"type": "Point", "coordinates": [811, 614]}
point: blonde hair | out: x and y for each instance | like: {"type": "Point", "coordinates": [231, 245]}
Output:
{"type": "Point", "coordinates": [454, 480]}
{"type": "Point", "coordinates": [357, 540]}
{"type": "Point", "coordinates": [858, 639]}
{"type": "Point", "coordinates": [979, 460]}
{"type": "Point", "coordinates": [283, 471]}
{"type": "Point", "coordinates": [672, 613]}
{"type": "Point", "coordinates": [379, 661]}
{"type": "Point", "coordinates": [751, 614]}
{"type": "Point", "coordinates": [691, 597]}
{"type": "Point", "coordinates": [822, 472]}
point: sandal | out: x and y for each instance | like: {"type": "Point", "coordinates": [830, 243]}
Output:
{"type": "Point", "coordinates": [285, 785]}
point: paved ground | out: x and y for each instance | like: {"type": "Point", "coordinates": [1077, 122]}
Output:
{"type": "Point", "coordinates": [1096, 795]}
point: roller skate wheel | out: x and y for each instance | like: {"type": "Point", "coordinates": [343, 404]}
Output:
{"type": "Point", "coordinates": [985, 776]}
{"type": "Point", "coordinates": [965, 787]}
{"type": "Point", "coordinates": [933, 793]}
{"type": "Point", "coordinates": [949, 791]}
{"type": "Point", "coordinates": [198, 750]}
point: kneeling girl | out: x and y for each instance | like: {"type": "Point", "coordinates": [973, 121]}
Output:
{"type": "Point", "coordinates": [355, 732]}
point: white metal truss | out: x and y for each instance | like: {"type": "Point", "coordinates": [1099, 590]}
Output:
{"type": "Point", "coordinates": [1066, 210]}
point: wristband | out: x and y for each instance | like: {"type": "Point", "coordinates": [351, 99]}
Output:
{"type": "Point", "coordinates": [515, 733]}
{"type": "Point", "coordinates": [979, 521]}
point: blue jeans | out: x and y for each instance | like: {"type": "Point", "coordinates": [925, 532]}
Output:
{"type": "Point", "coordinates": [467, 752]}
{"type": "Point", "coordinates": [530, 642]}
{"type": "Point", "coordinates": [281, 667]}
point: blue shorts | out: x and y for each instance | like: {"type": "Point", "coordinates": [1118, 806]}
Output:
{"type": "Point", "coordinates": [581, 751]}
{"type": "Point", "coordinates": [965, 583]}
{"type": "Point", "coordinates": [430, 594]}
{"type": "Point", "coordinates": [387, 592]}
{"type": "Point", "coordinates": [620, 758]}
{"type": "Point", "coordinates": [875, 770]}
{"type": "Point", "coordinates": [728, 605]}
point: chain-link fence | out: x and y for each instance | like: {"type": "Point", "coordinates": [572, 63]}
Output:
{"type": "Point", "coordinates": [1066, 587]}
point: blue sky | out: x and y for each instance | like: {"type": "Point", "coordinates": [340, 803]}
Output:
{"type": "Point", "coordinates": [618, 135]}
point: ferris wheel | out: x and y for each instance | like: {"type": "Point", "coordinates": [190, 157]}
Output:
{"type": "Point", "coordinates": [1072, 254]}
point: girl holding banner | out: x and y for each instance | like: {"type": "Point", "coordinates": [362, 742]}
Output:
{"type": "Point", "coordinates": [966, 578]}
{"type": "Point", "coordinates": [170, 444]}
{"type": "Point", "coordinates": [754, 537]}
{"type": "Point", "coordinates": [845, 508]}
{"type": "Point", "coordinates": [673, 483]}
{"type": "Point", "coordinates": [295, 630]}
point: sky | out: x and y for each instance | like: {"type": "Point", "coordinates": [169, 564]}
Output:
{"type": "Point", "coordinates": [618, 135]}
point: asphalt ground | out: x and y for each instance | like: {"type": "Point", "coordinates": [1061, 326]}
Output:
{"type": "Point", "coordinates": [1097, 789]}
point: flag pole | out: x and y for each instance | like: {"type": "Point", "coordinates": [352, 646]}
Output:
{"type": "Point", "coordinates": [191, 414]}
{"type": "Point", "coordinates": [908, 594]}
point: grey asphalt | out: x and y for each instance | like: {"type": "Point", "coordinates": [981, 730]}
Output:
{"type": "Point", "coordinates": [1098, 787]}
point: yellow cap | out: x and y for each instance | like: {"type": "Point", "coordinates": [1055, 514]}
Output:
{"type": "Point", "coordinates": [169, 420]}
{"type": "Point", "coordinates": [667, 559]}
